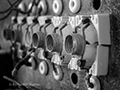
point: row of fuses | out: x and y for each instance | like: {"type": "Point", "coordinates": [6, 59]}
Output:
{"type": "Point", "coordinates": [41, 6]}
{"type": "Point", "coordinates": [103, 33]}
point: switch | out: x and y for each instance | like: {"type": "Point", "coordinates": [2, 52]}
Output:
{"type": "Point", "coordinates": [102, 25]}
{"type": "Point", "coordinates": [7, 34]}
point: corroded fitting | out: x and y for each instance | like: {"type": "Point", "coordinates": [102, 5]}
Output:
{"type": "Point", "coordinates": [38, 39]}
{"type": "Point", "coordinates": [94, 83]}
{"type": "Point", "coordinates": [16, 36]}
{"type": "Point", "coordinates": [54, 42]}
{"type": "Point", "coordinates": [90, 55]}
{"type": "Point", "coordinates": [74, 44]}
{"type": "Point", "coordinates": [7, 34]}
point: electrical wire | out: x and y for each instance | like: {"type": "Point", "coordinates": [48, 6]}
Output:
{"type": "Point", "coordinates": [7, 14]}
{"type": "Point", "coordinates": [11, 6]}
{"type": "Point", "coordinates": [9, 2]}
{"type": "Point", "coordinates": [22, 62]}
{"type": "Point", "coordinates": [18, 10]}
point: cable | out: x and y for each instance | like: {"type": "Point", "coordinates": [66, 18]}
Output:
{"type": "Point", "coordinates": [2, 12]}
{"type": "Point", "coordinates": [15, 9]}
{"type": "Point", "coordinates": [17, 2]}
{"type": "Point", "coordinates": [7, 14]}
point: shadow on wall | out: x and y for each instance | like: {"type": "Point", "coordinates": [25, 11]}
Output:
{"type": "Point", "coordinates": [6, 62]}
{"type": "Point", "coordinates": [5, 57]}
{"type": "Point", "coordinates": [6, 67]}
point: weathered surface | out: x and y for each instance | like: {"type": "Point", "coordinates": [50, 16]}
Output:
{"type": "Point", "coordinates": [109, 82]}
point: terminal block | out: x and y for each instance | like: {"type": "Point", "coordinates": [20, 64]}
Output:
{"type": "Point", "coordinates": [78, 42]}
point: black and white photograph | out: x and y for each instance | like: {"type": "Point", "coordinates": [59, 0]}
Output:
{"type": "Point", "coordinates": [59, 45]}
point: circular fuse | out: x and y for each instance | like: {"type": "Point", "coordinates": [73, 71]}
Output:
{"type": "Point", "coordinates": [57, 6]}
{"type": "Point", "coordinates": [74, 5]}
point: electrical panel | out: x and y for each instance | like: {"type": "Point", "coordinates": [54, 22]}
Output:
{"type": "Point", "coordinates": [52, 42]}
